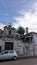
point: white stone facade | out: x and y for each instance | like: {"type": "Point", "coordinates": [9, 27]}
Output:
{"type": "Point", "coordinates": [18, 45]}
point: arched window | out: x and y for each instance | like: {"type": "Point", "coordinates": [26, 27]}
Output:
{"type": "Point", "coordinates": [9, 32]}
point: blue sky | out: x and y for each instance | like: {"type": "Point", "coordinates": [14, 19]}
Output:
{"type": "Point", "coordinates": [9, 9]}
{"type": "Point", "coordinates": [14, 11]}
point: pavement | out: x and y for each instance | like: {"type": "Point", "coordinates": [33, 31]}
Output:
{"type": "Point", "coordinates": [27, 57]}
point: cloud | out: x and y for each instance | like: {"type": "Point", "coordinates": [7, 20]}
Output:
{"type": "Point", "coordinates": [27, 19]}
{"type": "Point", "coordinates": [35, 6]}
{"type": "Point", "coordinates": [2, 26]}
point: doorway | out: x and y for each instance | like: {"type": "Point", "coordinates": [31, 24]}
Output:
{"type": "Point", "coordinates": [8, 45]}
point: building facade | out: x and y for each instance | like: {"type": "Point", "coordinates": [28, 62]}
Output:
{"type": "Point", "coordinates": [25, 45]}
{"type": "Point", "coordinates": [9, 41]}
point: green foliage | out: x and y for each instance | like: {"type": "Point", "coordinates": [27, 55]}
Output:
{"type": "Point", "coordinates": [20, 30]}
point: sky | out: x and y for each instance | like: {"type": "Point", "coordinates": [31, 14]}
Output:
{"type": "Point", "coordinates": [19, 13]}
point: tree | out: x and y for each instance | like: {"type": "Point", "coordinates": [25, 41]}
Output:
{"type": "Point", "coordinates": [20, 30]}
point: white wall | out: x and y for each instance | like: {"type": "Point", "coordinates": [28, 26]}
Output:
{"type": "Point", "coordinates": [35, 43]}
{"type": "Point", "coordinates": [6, 31]}
{"type": "Point", "coordinates": [35, 39]}
{"type": "Point", "coordinates": [18, 46]}
{"type": "Point", "coordinates": [2, 44]}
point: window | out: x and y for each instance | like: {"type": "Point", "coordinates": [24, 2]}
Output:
{"type": "Point", "coordinates": [1, 52]}
{"type": "Point", "coordinates": [11, 51]}
{"type": "Point", "coordinates": [5, 52]}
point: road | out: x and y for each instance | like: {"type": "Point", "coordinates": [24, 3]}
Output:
{"type": "Point", "coordinates": [20, 62]}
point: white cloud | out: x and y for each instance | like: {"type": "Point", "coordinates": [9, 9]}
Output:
{"type": "Point", "coordinates": [35, 6]}
{"type": "Point", "coordinates": [27, 19]}
{"type": "Point", "coordinates": [2, 26]}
